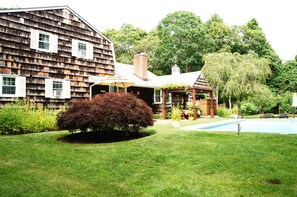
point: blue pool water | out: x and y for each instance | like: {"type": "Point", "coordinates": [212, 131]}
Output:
{"type": "Point", "coordinates": [265, 126]}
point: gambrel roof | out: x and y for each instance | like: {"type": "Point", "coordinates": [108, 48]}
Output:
{"type": "Point", "coordinates": [55, 8]}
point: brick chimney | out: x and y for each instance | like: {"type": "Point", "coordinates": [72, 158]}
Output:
{"type": "Point", "coordinates": [140, 65]}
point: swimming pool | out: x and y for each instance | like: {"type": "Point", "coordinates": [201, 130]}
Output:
{"type": "Point", "coordinates": [254, 125]}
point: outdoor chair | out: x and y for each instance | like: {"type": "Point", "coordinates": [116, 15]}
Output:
{"type": "Point", "coordinates": [283, 116]}
{"type": "Point", "coordinates": [268, 115]}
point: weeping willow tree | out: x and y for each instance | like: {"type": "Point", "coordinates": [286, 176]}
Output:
{"type": "Point", "coordinates": [236, 76]}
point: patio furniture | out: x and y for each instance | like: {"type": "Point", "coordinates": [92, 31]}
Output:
{"type": "Point", "coordinates": [268, 115]}
{"type": "Point", "coordinates": [283, 116]}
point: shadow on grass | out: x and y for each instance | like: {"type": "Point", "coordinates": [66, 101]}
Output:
{"type": "Point", "coordinates": [104, 137]}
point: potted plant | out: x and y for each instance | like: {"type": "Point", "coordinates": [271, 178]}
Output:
{"type": "Point", "coordinates": [175, 117]}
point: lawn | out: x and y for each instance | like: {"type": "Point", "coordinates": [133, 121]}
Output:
{"type": "Point", "coordinates": [168, 163]}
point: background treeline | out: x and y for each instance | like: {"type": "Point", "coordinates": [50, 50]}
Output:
{"type": "Point", "coordinates": [182, 38]}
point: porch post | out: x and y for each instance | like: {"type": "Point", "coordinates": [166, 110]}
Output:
{"type": "Point", "coordinates": [211, 106]}
{"type": "Point", "coordinates": [194, 103]}
{"type": "Point", "coordinates": [164, 92]}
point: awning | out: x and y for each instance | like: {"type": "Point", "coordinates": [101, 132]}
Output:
{"type": "Point", "coordinates": [115, 81]}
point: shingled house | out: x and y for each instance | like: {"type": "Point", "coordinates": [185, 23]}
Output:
{"type": "Point", "coordinates": [149, 87]}
{"type": "Point", "coordinates": [48, 54]}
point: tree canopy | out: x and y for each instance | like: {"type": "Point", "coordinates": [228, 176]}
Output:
{"type": "Point", "coordinates": [182, 40]}
{"type": "Point", "coordinates": [237, 76]}
{"type": "Point", "coordinates": [125, 41]}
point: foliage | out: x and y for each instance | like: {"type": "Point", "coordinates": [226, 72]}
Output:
{"type": "Point", "coordinates": [236, 76]}
{"type": "Point", "coordinates": [223, 112]}
{"type": "Point", "coordinates": [182, 40]}
{"type": "Point", "coordinates": [20, 118]}
{"type": "Point", "coordinates": [249, 108]}
{"type": "Point", "coordinates": [107, 112]}
{"type": "Point", "coordinates": [176, 114]}
{"type": "Point", "coordinates": [264, 99]}
{"type": "Point", "coordinates": [221, 34]}
{"type": "Point", "coordinates": [172, 86]}
{"type": "Point", "coordinates": [286, 79]}
{"type": "Point", "coordinates": [157, 116]}
{"type": "Point", "coordinates": [253, 39]}
{"type": "Point", "coordinates": [77, 116]}
{"type": "Point", "coordinates": [125, 41]}
{"type": "Point", "coordinates": [285, 102]}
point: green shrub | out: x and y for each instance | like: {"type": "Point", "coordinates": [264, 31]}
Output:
{"type": "Point", "coordinates": [21, 117]}
{"type": "Point", "coordinates": [107, 112]}
{"type": "Point", "coordinates": [176, 114]}
{"type": "Point", "coordinates": [157, 116]}
{"type": "Point", "coordinates": [168, 114]}
{"type": "Point", "coordinates": [249, 108]}
{"type": "Point", "coordinates": [223, 112]}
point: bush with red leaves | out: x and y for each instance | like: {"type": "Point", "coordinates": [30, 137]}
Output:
{"type": "Point", "coordinates": [107, 112]}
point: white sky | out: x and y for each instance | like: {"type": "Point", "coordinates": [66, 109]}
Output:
{"type": "Point", "coordinates": [277, 18]}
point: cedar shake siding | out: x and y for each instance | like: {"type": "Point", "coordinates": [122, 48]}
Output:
{"type": "Point", "coordinates": [48, 54]}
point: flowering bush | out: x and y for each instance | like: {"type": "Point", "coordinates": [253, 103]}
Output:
{"type": "Point", "coordinates": [107, 112]}
{"type": "Point", "coordinates": [25, 117]}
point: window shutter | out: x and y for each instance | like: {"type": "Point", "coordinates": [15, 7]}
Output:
{"type": "Point", "coordinates": [34, 37]}
{"type": "Point", "coordinates": [48, 88]}
{"type": "Point", "coordinates": [89, 51]}
{"type": "Point", "coordinates": [66, 89]}
{"type": "Point", "coordinates": [53, 39]}
{"type": "Point", "coordinates": [74, 47]}
{"type": "Point", "coordinates": [20, 86]}
{"type": "Point", "coordinates": [0, 85]}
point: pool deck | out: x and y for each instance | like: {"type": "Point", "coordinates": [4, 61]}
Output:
{"type": "Point", "coordinates": [199, 126]}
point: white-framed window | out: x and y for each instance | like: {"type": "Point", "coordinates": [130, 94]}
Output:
{"type": "Point", "coordinates": [12, 86]}
{"type": "Point", "coordinates": [158, 97]}
{"type": "Point", "coordinates": [82, 49]}
{"type": "Point", "coordinates": [57, 88]}
{"type": "Point", "coordinates": [43, 41]}
{"type": "Point", "coordinates": [8, 85]}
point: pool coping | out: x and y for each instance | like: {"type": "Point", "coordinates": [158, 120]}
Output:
{"type": "Point", "coordinates": [199, 127]}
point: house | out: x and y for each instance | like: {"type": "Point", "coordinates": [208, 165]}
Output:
{"type": "Point", "coordinates": [47, 55]}
{"type": "Point", "coordinates": [150, 87]}
{"type": "Point", "coordinates": [51, 55]}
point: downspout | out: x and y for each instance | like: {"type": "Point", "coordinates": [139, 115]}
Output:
{"type": "Point", "coordinates": [91, 90]}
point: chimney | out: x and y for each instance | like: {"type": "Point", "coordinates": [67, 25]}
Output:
{"type": "Point", "coordinates": [140, 65]}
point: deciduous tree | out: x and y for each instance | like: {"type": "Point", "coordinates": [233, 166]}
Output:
{"type": "Point", "coordinates": [183, 41]}
{"type": "Point", "coordinates": [242, 75]}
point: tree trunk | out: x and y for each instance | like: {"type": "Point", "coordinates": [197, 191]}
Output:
{"type": "Point", "coordinates": [187, 68]}
{"type": "Point", "coordinates": [239, 107]}
{"type": "Point", "coordinates": [217, 97]}
{"type": "Point", "coordinates": [230, 104]}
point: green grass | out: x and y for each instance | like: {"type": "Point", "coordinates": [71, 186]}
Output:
{"type": "Point", "coordinates": [168, 163]}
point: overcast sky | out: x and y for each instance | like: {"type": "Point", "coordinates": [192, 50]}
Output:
{"type": "Point", "coordinates": [277, 18]}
